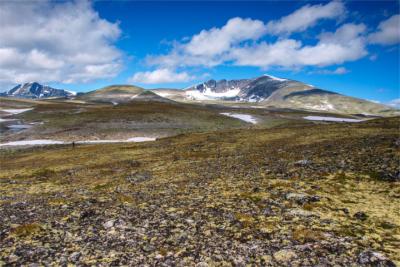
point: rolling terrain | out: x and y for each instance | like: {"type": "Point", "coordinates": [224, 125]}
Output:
{"type": "Point", "coordinates": [106, 115]}
{"type": "Point", "coordinates": [264, 197]}
{"type": "Point", "coordinates": [213, 182]}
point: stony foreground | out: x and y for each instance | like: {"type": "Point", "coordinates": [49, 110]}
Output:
{"type": "Point", "coordinates": [325, 195]}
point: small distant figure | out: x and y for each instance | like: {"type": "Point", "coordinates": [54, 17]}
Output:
{"type": "Point", "coordinates": [73, 144]}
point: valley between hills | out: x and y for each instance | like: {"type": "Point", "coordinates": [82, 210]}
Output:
{"type": "Point", "coordinates": [133, 177]}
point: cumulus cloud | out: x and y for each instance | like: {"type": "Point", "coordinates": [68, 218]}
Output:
{"type": "Point", "coordinates": [52, 41]}
{"type": "Point", "coordinates": [218, 40]}
{"type": "Point", "coordinates": [209, 47]}
{"type": "Point", "coordinates": [157, 76]}
{"type": "Point", "coordinates": [240, 42]}
{"type": "Point", "coordinates": [388, 32]}
{"type": "Point", "coordinates": [395, 103]}
{"type": "Point", "coordinates": [305, 17]}
{"type": "Point", "coordinates": [345, 44]}
{"type": "Point", "coordinates": [337, 71]}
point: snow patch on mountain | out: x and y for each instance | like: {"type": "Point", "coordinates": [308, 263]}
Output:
{"type": "Point", "coordinates": [243, 117]}
{"type": "Point", "coordinates": [4, 120]}
{"type": "Point", "coordinates": [71, 92]}
{"type": "Point", "coordinates": [56, 142]}
{"type": "Point", "coordinates": [335, 119]}
{"type": "Point", "coordinates": [162, 94]}
{"type": "Point", "coordinates": [275, 78]}
{"type": "Point", "coordinates": [16, 111]}
{"type": "Point", "coordinates": [324, 105]}
{"type": "Point", "coordinates": [209, 94]}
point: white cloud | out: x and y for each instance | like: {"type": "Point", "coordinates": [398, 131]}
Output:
{"type": "Point", "coordinates": [337, 71]}
{"type": "Point", "coordinates": [56, 41]}
{"type": "Point", "coordinates": [239, 42]}
{"type": "Point", "coordinates": [388, 32]}
{"type": "Point", "coordinates": [345, 44]}
{"type": "Point", "coordinates": [395, 103]}
{"type": "Point", "coordinates": [341, 70]}
{"type": "Point", "coordinates": [208, 47]}
{"type": "Point", "coordinates": [160, 76]}
{"type": "Point", "coordinates": [216, 41]}
{"type": "Point", "coordinates": [306, 17]}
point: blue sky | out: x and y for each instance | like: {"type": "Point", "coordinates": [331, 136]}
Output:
{"type": "Point", "coordinates": [351, 47]}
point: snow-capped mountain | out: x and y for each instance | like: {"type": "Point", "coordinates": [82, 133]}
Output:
{"type": "Point", "coordinates": [244, 90]}
{"type": "Point", "coordinates": [36, 90]}
{"type": "Point", "coordinates": [270, 91]}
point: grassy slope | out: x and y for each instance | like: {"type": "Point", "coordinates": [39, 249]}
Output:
{"type": "Point", "coordinates": [217, 197]}
{"type": "Point", "coordinates": [75, 120]}
{"type": "Point", "coordinates": [69, 121]}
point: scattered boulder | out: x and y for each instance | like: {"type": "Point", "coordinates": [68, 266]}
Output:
{"type": "Point", "coordinates": [135, 163]}
{"type": "Point", "coordinates": [74, 257]}
{"type": "Point", "coordinates": [139, 177]}
{"type": "Point", "coordinates": [303, 162]}
{"type": "Point", "coordinates": [362, 216]}
{"type": "Point", "coordinates": [372, 258]}
{"type": "Point", "coordinates": [285, 255]}
{"type": "Point", "coordinates": [109, 224]}
{"type": "Point", "coordinates": [302, 198]}
{"type": "Point", "coordinates": [301, 213]}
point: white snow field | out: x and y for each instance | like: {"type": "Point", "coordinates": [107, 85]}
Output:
{"type": "Point", "coordinates": [3, 120]}
{"type": "Point", "coordinates": [321, 118]}
{"type": "Point", "coordinates": [243, 117]}
{"type": "Point", "coordinates": [55, 142]}
{"type": "Point", "coordinates": [32, 143]}
{"type": "Point", "coordinates": [16, 111]}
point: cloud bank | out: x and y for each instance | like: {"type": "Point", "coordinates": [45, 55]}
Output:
{"type": "Point", "coordinates": [160, 76]}
{"type": "Point", "coordinates": [53, 41]}
{"type": "Point", "coordinates": [242, 42]}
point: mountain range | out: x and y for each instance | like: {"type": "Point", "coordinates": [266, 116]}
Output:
{"type": "Point", "coordinates": [35, 90]}
{"type": "Point", "coordinates": [262, 92]}
{"type": "Point", "coordinates": [269, 91]}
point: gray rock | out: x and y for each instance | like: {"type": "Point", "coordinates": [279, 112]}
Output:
{"type": "Point", "coordinates": [74, 257]}
{"type": "Point", "coordinates": [139, 177]}
{"type": "Point", "coordinates": [302, 198]}
{"type": "Point", "coordinates": [109, 224]}
{"type": "Point", "coordinates": [301, 213]}
{"type": "Point", "coordinates": [303, 162]}
{"type": "Point", "coordinates": [372, 258]}
{"type": "Point", "coordinates": [362, 216]}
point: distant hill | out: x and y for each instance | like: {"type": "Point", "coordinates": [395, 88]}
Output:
{"type": "Point", "coordinates": [270, 91]}
{"type": "Point", "coordinates": [34, 90]}
{"type": "Point", "coordinates": [118, 94]}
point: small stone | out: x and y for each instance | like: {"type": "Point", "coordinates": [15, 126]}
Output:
{"type": "Point", "coordinates": [301, 213]}
{"type": "Point", "coordinates": [109, 224]}
{"type": "Point", "coordinates": [74, 257]}
{"type": "Point", "coordinates": [158, 257]}
{"type": "Point", "coordinates": [139, 177]}
{"type": "Point", "coordinates": [202, 264]}
{"type": "Point", "coordinates": [362, 216]}
{"type": "Point", "coordinates": [302, 198]}
{"type": "Point", "coordinates": [285, 255]}
{"type": "Point", "coordinates": [303, 162]}
{"type": "Point", "coordinates": [373, 258]}
{"type": "Point", "coordinates": [267, 259]}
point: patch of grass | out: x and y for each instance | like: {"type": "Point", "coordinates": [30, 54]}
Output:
{"type": "Point", "coordinates": [43, 173]}
{"type": "Point", "coordinates": [26, 230]}
{"type": "Point", "coordinates": [307, 235]}
{"type": "Point", "coordinates": [246, 220]}
{"type": "Point", "coordinates": [125, 199]}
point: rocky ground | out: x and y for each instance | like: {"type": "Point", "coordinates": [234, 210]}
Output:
{"type": "Point", "coordinates": [323, 195]}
